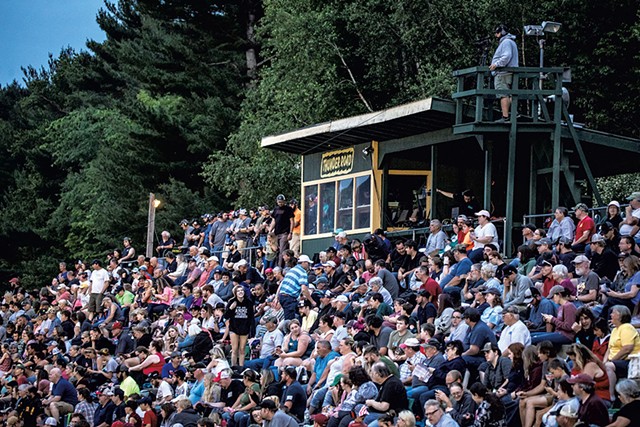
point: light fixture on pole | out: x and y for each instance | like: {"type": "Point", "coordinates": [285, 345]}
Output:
{"type": "Point", "coordinates": [548, 27]}
{"type": "Point", "coordinates": [151, 222]}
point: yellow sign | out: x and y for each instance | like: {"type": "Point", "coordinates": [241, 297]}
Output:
{"type": "Point", "coordinates": [337, 162]}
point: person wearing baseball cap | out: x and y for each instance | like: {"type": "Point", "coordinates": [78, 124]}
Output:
{"type": "Point", "coordinates": [320, 420]}
{"type": "Point", "coordinates": [294, 284]}
{"type": "Point", "coordinates": [333, 274]}
{"type": "Point", "coordinates": [588, 281]}
{"type": "Point", "coordinates": [174, 365]}
{"type": "Point", "coordinates": [413, 357]}
{"type": "Point", "coordinates": [593, 410]}
{"type": "Point", "coordinates": [584, 230]}
{"type": "Point", "coordinates": [104, 410]}
{"type": "Point", "coordinates": [270, 412]}
{"type": "Point", "coordinates": [614, 216]}
{"type": "Point", "coordinates": [567, 416]}
{"type": "Point", "coordinates": [539, 306]}
{"type": "Point", "coordinates": [514, 330]}
{"type": "Point", "coordinates": [308, 316]}
{"type": "Point", "coordinates": [483, 234]}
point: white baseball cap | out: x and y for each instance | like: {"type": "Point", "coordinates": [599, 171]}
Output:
{"type": "Point", "coordinates": [303, 258]}
{"type": "Point", "coordinates": [340, 298]}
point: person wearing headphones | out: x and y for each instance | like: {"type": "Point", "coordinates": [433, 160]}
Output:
{"type": "Point", "coordinates": [506, 55]}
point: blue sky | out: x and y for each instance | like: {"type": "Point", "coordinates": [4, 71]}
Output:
{"type": "Point", "coordinates": [30, 29]}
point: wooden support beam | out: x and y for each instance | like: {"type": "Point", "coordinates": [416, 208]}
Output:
{"type": "Point", "coordinates": [385, 200]}
{"type": "Point", "coordinates": [434, 181]}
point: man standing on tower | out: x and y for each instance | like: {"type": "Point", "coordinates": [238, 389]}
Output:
{"type": "Point", "coordinates": [506, 55]}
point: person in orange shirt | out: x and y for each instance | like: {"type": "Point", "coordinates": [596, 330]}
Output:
{"type": "Point", "coordinates": [294, 243]}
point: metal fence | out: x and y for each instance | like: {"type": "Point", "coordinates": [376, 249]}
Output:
{"type": "Point", "coordinates": [420, 235]}
{"type": "Point", "coordinates": [596, 212]}
{"type": "Point", "coordinates": [248, 253]}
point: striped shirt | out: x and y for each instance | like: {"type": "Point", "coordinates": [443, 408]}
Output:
{"type": "Point", "coordinates": [293, 281]}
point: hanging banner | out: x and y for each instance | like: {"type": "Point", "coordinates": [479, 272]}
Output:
{"type": "Point", "coordinates": [337, 162]}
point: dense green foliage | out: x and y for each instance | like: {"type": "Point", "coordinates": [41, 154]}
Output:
{"type": "Point", "coordinates": [176, 100]}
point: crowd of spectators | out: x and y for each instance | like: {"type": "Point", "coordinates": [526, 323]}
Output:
{"type": "Point", "coordinates": [368, 332]}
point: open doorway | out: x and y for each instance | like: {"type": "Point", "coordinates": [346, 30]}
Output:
{"type": "Point", "coordinates": [408, 199]}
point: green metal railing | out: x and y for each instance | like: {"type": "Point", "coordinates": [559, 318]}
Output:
{"type": "Point", "coordinates": [474, 89]}
{"type": "Point", "coordinates": [475, 95]}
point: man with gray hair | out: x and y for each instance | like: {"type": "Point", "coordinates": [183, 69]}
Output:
{"type": "Point", "coordinates": [593, 410]}
{"type": "Point", "coordinates": [588, 281]}
{"type": "Point", "coordinates": [437, 238]}
{"type": "Point", "coordinates": [436, 416]}
{"type": "Point", "coordinates": [376, 287]}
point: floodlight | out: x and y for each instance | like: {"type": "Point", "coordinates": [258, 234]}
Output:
{"type": "Point", "coordinates": [533, 30]}
{"type": "Point", "coordinates": [551, 27]}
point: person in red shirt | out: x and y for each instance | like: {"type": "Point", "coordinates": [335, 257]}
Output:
{"type": "Point", "coordinates": [547, 277]}
{"type": "Point", "coordinates": [585, 229]}
{"type": "Point", "coordinates": [601, 340]}
{"type": "Point", "coordinates": [150, 418]}
{"type": "Point", "coordinates": [428, 284]}
{"type": "Point", "coordinates": [19, 376]}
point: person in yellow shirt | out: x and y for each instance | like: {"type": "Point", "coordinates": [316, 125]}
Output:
{"type": "Point", "coordinates": [127, 383]}
{"type": "Point", "coordinates": [308, 315]}
{"type": "Point", "coordinates": [624, 341]}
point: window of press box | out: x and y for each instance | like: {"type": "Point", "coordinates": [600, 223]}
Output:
{"type": "Point", "coordinates": [311, 209]}
{"type": "Point", "coordinates": [327, 207]}
{"type": "Point", "coordinates": [344, 204]}
{"type": "Point", "coordinates": [363, 202]}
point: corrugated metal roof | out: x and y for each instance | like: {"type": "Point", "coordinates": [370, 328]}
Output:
{"type": "Point", "coordinates": [433, 114]}
{"type": "Point", "coordinates": [397, 122]}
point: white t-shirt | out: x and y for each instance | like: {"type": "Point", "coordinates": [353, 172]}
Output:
{"type": "Point", "coordinates": [483, 231]}
{"type": "Point", "coordinates": [164, 390]}
{"type": "Point", "coordinates": [271, 340]}
{"type": "Point", "coordinates": [97, 280]}
{"type": "Point", "coordinates": [518, 332]}
{"type": "Point", "coordinates": [625, 229]}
